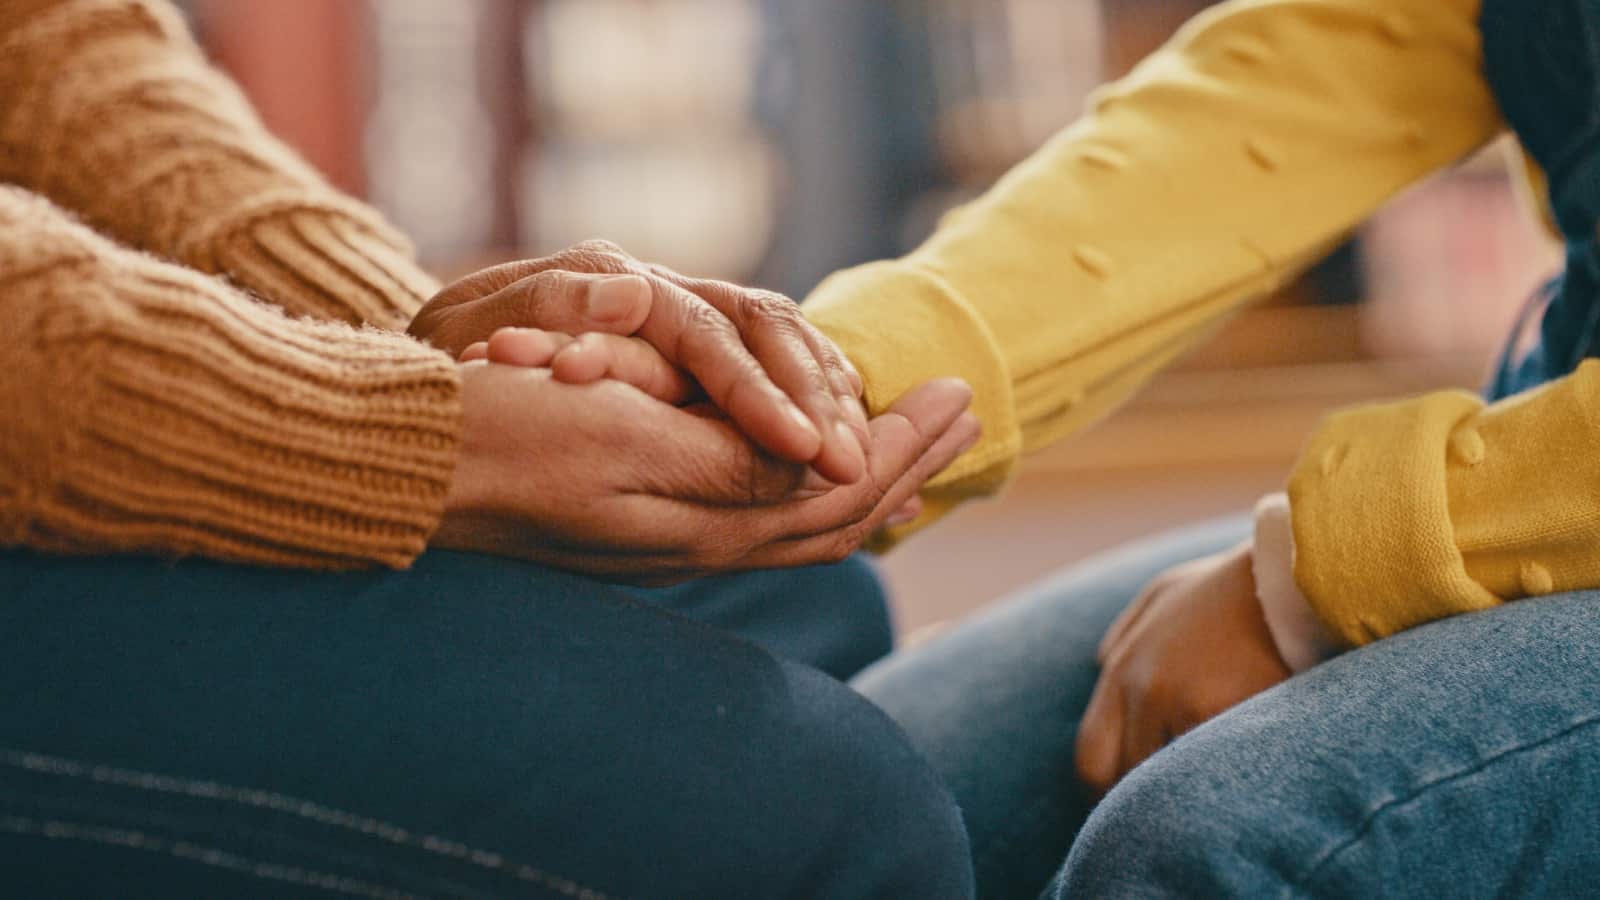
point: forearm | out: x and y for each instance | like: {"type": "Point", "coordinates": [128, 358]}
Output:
{"type": "Point", "coordinates": [151, 409]}
{"type": "Point", "coordinates": [109, 108]}
{"type": "Point", "coordinates": [1234, 157]}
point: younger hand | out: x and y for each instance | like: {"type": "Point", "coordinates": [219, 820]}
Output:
{"type": "Point", "coordinates": [1192, 645]}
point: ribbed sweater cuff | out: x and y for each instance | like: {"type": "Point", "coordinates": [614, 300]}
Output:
{"type": "Point", "coordinates": [339, 264]}
{"type": "Point", "coordinates": [1375, 552]}
{"type": "Point", "coordinates": [209, 425]}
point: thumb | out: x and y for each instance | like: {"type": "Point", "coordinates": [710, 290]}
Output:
{"type": "Point", "coordinates": [572, 302]}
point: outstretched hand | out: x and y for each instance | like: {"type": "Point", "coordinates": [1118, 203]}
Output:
{"type": "Point", "coordinates": [608, 481]}
{"type": "Point", "coordinates": [751, 351]}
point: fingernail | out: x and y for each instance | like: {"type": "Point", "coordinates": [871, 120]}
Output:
{"type": "Point", "coordinates": [905, 515]}
{"type": "Point", "coordinates": [615, 298]}
{"type": "Point", "coordinates": [802, 421]}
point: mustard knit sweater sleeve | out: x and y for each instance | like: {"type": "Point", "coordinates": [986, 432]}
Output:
{"type": "Point", "coordinates": [147, 407]}
{"type": "Point", "coordinates": [1239, 153]}
{"type": "Point", "coordinates": [108, 108]}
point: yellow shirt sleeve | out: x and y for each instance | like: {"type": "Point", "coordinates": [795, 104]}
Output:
{"type": "Point", "coordinates": [1413, 511]}
{"type": "Point", "coordinates": [1242, 151]}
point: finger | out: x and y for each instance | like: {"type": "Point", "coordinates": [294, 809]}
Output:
{"type": "Point", "coordinates": [1099, 743]}
{"type": "Point", "coordinates": [717, 357]}
{"type": "Point", "coordinates": [814, 485]}
{"type": "Point", "coordinates": [781, 341]}
{"type": "Point", "coordinates": [732, 536]}
{"type": "Point", "coordinates": [594, 356]}
{"type": "Point", "coordinates": [842, 376]}
{"type": "Point", "coordinates": [695, 336]}
{"type": "Point", "coordinates": [917, 437]}
{"type": "Point", "coordinates": [571, 302]}
{"type": "Point", "coordinates": [834, 359]}
{"type": "Point", "coordinates": [1123, 625]}
{"type": "Point", "coordinates": [846, 392]}
{"type": "Point", "coordinates": [790, 351]}
{"type": "Point", "coordinates": [536, 294]}
{"type": "Point", "coordinates": [527, 347]}
{"type": "Point", "coordinates": [474, 352]}
{"type": "Point", "coordinates": [703, 462]}
{"type": "Point", "coordinates": [847, 538]}
{"type": "Point", "coordinates": [906, 514]}
{"type": "Point", "coordinates": [1143, 732]}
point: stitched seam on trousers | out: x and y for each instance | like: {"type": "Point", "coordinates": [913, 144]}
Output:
{"type": "Point", "coordinates": [293, 806]}
{"type": "Point", "coordinates": [56, 829]}
{"type": "Point", "coordinates": [1492, 759]}
{"type": "Point", "coordinates": [226, 828]}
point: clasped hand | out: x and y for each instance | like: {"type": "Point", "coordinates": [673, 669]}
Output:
{"type": "Point", "coordinates": [712, 429]}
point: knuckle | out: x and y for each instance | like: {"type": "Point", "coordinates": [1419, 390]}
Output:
{"type": "Point", "coordinates": [598, 245]}
{"type": "Point", "coordinates": [703, 317]}
{"type": "Point", "coordinates": [595, 256]}
{"type": "Point", "coordinates": [547, 282]}
{"type": "Point", "coordinates": [771, 308]}
{"type": "Point", "coordinates": [533, 293]}
{"type": "Point", "coordinates": [704, 329]}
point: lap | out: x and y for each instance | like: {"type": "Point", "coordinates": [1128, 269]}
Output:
{"type": "Point", "coordinates": [1471, 743]}
{"type": "Point", "coordinates": [459, 728]}
{"type": "Point", "coordinates": [1459, 758]}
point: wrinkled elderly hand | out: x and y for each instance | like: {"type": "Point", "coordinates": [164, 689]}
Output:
{"type": "Point", "coordinates": [605, 480]}
{"type": "Point", "coordinates": [756, 358]}
{"type": "Point", "coordinates": [1192, 645]}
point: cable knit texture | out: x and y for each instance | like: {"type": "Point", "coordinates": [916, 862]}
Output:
{"type": "Point", "coordinates": [109, 108]}
{"type": "Point", "coordinates": [149, 407]}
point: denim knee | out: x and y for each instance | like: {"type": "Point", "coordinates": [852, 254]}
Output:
{"type": "Point", "coordinates": [1183, 824]}
{"type": "Point", "coordinates": [881, 822]}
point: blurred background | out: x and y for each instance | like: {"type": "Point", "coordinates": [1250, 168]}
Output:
{"type": "Point", "coordinates": [773, 141]}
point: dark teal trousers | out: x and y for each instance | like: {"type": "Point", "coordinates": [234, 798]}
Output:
{"type": "Point", "coordinates": [472, 727]}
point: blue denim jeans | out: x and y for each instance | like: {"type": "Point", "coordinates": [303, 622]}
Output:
{"type": "Point", "coordinates": [1459, 759]}
{"type": "Point", "coordinates": [470, 728]}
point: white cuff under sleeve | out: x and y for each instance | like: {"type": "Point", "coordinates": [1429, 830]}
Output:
{"type": "Point", "coordinates": [1298, 634]}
